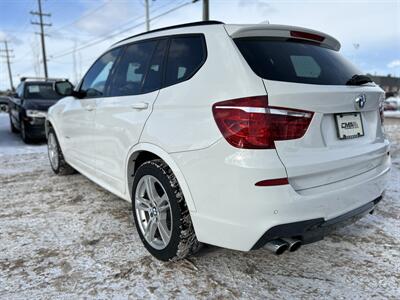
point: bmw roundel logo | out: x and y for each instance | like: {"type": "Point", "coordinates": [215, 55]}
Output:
{"type": "Point", "coordinates": [360, 101]}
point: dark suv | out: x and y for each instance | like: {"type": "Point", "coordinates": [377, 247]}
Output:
{"type": "Point", "coordinates": [28, 107]}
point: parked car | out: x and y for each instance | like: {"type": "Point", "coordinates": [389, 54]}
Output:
{"type": "Point", "coordinates": [4, 103]}
{"type": "Point", "coordinates": [240, 136]}
{"type": "Point", "coordinates": [28, 107]}
{"type": "Point", "coordinates": [392, 103]}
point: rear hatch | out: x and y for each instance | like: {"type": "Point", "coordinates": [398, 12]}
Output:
{"type": "Point", "coordinates": [302, 70]}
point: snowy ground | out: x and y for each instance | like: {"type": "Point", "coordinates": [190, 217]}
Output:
{"type": "Point", "coordinates": [65, 237]}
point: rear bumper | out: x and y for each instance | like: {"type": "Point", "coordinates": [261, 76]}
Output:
{"type": "Point", "coordinates": [314, 230]}
{"type": "Point", "coordinates": [232, 212]}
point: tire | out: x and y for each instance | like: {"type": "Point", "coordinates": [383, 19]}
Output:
{"type": "Point", "coordinates": [56, 157]}
{"type": "Point", "coordinates": [174, 220]}
{"type": "Point", "coordinates": [24, 134]}
{"type": "Point", "coordinates": [12, 127]}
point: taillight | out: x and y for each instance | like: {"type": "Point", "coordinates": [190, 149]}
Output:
{"type": "Point", "coordinates": [381, 108]}
{"type": "Point", "coordinates": [249, 123]}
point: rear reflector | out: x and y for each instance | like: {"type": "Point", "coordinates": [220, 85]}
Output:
{"type": "Point", "coordinates": [306, 35]}
{"type": "Point", "coordinates": [249, 123]}
{"type": "Point", "coordinates": [273, 182]}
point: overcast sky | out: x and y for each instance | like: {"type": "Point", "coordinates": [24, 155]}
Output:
{"type": "Point", "coordinates": [369, 31]}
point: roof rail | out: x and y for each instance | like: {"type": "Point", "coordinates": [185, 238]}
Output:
{"type": "Point", "coordinates": [201, 23]}
{"type": "Point", "coordinates": [26, 78]}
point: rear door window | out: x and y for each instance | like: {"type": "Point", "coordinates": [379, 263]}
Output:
{"type": "Point", "coordinates": [295, 61]}
{"type": "Point", "coordinates": [185, 56]}
{"type": "Point", "coordinates": [154, 74]}
{"type": "Point", "coordinates": [132, 69]}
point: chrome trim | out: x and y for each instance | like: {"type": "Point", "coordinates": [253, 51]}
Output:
{"type": "Point", "coordinates": [272, 111]}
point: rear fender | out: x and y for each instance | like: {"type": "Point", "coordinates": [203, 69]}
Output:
{"type": "Point", "coordinates": [135, 150]}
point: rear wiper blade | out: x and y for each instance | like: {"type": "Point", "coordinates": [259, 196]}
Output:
{"type": "Point", "coordinates": [358, 80]}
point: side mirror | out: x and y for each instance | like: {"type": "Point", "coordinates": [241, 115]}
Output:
{"type": "Point", "coordinates": [63, 88]}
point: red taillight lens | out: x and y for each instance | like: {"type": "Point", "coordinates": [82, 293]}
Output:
{"type": "Point", "coordinates": [249, 123]}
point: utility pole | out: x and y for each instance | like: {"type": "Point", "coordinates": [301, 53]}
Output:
{"type": "Point", "coordinates": [146, 3]}
{"type": "Point", "coordinates": [7, 56]}
{"type": "Point", "coordinates": [42, 34]}
{"type": "Point", "coordinates": [74, 63]}
{"type": "Point", "coordinates": [206, 10]}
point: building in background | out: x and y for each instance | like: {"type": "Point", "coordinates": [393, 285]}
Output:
{"type": "Point", "coordinates": [391, 85]}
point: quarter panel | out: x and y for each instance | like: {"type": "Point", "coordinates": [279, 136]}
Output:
{"type": "Point", "coordinates": [169, 160]}
{"type": "Point", "coordinates": [182, 118]}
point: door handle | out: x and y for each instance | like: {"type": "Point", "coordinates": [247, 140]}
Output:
{"type": "Point", "coordinates": [140, 105]}
{"type": "Point", "coordinates": [89, 107]}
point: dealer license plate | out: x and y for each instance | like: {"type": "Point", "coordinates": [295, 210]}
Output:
{"type": "Point", "coordinates": [349, 125]}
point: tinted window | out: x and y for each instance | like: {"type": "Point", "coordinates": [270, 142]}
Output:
{"type": "Point", "coordinates": [95, 79]}
{"type": "Point", "coordinates": [153, 78]}
{"type": "Point", "coordinates": [185, 56]}
{"type": "Point", "coordinates": [40, 91]}
{"type": "Point", "coordinates": [131, 70]}
{"type": "Point", "coordinates": [20, 90]}
{"type": "Point", "coordinates": [294, 61]}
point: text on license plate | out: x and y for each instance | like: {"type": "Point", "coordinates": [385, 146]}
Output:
{"type": "Point", "coordinates": [349, 125]}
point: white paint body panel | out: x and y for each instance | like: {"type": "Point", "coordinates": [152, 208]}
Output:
{"type": "Point", "coordinates": [328, 177]}
{"type": "Point", "coordinates": [118, 126]}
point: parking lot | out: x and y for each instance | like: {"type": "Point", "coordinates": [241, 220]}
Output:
{"type": "Point", "coordinates": [66, 237]}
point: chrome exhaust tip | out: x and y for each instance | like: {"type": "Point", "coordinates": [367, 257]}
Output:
{"type": "Point", "coordinates": [294, 244]}
{"type": "Point", "coordinates": [277, 246]}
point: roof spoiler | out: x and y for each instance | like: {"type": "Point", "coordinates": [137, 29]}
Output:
{"type": "Point", "coordinates": [238, 31]}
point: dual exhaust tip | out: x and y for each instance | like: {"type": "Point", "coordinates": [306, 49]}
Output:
{"type": "Point", "coordinates": [279, 246]}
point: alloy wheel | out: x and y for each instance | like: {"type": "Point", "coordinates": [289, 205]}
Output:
{"type": "Point", "coordinates": [153, 212]}
{"type": "Point", "coordinates": [52, 147]}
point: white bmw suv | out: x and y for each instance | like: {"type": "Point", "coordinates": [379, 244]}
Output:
{"type": "Point", "coordinates": [240, 136]}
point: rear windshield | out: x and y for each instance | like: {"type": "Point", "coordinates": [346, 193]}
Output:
{"type": "Point", "coordinates": [295, 61]}
{"type": "Point", "coordinates": [40, 91]}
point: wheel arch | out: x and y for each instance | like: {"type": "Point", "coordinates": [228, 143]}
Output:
{"type": "Point", "coordinates": [47, 126]}
{"type": "Point", "coordinates": [146, 150]}
{"type": "Point", "coordinates": [49, 123]}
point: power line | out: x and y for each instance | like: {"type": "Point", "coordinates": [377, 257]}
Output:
{"type": "Point", "coordinates": [120, 25]}
{"type": "Point", "coordinates": [81, 17]}
{"type": "Point", "coordinates": [42, 34]}
{"type": "Point", "coordinates": [95, 42]}
{"type": "Point", "coordinates": [60, 54]}
{"type": "Point", "coordinates": [7, 57]}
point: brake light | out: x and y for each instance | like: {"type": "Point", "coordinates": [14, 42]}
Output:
{"type": "Point", "coordinates": [307, 35]}
{"type": "Point", "coordinates": [249, 123]}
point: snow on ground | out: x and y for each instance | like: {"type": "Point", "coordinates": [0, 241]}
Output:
{"type": "Point", "coordinates": [65, 237]}
{"type": "Point", "coordinates": [11, 143]}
